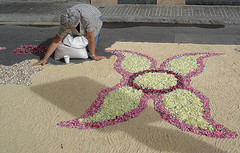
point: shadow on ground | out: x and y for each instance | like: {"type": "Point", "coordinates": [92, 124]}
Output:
{"type": "Point", "coordinates": [75, 95]}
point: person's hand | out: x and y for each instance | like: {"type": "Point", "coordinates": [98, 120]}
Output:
{"type": "Point", "coordinates": [97, 58]}
{"type": "Point", "coordinates": [41, 62]}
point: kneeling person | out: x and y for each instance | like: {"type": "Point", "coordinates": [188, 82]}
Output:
{"type": "Point", "coordinates": [79, 20]}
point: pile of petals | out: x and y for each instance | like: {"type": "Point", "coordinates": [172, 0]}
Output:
{"type": "Point", "coordinates": [169, 86]}
{"type": "Point", "coordinates": [31, 49]}
{"type": "Point", "coordinates": [2, 48]}
{"type": "Point", "coordinates": [19, 73]}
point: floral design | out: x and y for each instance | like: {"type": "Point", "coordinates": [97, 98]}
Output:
{"type": "Point", "coordinates": [169, 86]}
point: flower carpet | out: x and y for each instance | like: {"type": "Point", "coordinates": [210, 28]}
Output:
{"type": "Point", "coordinates": [140, 100]}
{"type": "Point", "coordinates": [168, 85]}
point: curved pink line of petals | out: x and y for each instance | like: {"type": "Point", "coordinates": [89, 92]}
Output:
{"type": "Point", "coordinates": [180, 82]}
{"type": "Point", "coordinates": [200, 67]}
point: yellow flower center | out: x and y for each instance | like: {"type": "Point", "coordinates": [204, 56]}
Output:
{"type": "Point", "coordinates": [157, 81]}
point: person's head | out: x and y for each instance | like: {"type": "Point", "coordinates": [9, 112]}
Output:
{"type": "Point", "coordinates": [70, 18]}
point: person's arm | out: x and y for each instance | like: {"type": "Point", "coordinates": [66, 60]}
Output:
{"type": "Point", "coordinates": [52, 47]}
{"type": "Point", "coordinates": [91, 44]}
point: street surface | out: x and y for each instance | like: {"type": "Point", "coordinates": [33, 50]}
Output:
{"type": "Point", "coordinates": [12, 36]}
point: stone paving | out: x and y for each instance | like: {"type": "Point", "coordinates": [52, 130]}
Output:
{"type": "Point", "coordinates": [193, 14]}
{"type": "Point", "coordinates": [177, 14]}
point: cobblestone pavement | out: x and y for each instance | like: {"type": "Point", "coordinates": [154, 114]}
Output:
{"type": "Point", "coordinates": [191, 14]}
{"type": "Point", "coordinates": [177, 14]}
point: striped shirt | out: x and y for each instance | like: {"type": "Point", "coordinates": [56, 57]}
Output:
{"type": "Point", "coordinates": [90, 20]}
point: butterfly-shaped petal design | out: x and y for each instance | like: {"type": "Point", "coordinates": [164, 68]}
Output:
{"type": "Point", "coordinates": [169, 86]}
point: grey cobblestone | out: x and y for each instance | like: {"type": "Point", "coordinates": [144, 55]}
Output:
{"type": "Point", "coordinates": [182, 14]}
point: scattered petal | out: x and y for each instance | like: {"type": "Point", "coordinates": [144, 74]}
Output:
{"type": "Point", "coordinates": [2, 48]}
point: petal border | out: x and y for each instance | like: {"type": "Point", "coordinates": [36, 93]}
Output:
{"type": "Point", "coordinates": [180, 82]}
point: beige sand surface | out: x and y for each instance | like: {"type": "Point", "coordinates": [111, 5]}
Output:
{"type": "Point", "coordinates": [29, 114]}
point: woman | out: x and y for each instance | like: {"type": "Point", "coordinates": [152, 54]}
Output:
{"type": "Point", "coordinates": [79, 20]}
